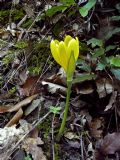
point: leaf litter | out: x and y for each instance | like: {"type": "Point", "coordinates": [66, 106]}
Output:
{"type": "Point", "coordinates": [92, 130]}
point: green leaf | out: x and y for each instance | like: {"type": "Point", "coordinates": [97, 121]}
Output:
{"type": "Point", "coordinates": [50, 12]}
{"type": "Point", "coordinates": [84, 77]}
{"type": "Point", "coordinates": [27, 158]}
{"type": "Point", "coordinates": [68, 2]}
{"type": "Point", "coordinates": [115, 18]}
{"type": "Point", "coordinates": [112, 32]}
{"type": "Point", "coordinates": [55, 110]}
{"type": "Point", "coordinates": [83, 65]}
{"type": "Point", "coordinates": [118, 7]}
{"type": "Point", "coordinates": [110, 47]}
{"type": "Point", "coordinates": [116, 73]}
{"type": "Point", "coordinates": [115, 61]}
{"type": "Point", "coordinates": [85, 9]}
{"type": "Point", "coordinates": [100, 66]}
{"type": "Point", "coordinates": [95, 42]}
{"type": "Point", "coordinates": [98, 52]}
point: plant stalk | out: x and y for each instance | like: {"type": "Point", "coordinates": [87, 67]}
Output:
{"type": "Point", "coordinates": [62, 127]}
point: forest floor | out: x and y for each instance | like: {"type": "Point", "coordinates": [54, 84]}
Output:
{"type": "Point", "coordinates": [33, 86]}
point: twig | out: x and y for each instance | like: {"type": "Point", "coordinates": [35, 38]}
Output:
{"type": "Point", "coordinates": [81, 142]}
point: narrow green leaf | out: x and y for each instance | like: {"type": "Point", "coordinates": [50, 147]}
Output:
{"type": "Point", "coordinates": [68, 2]}
{"type": "Point", "coordinates": [85, 9]}
{"type": "Point", "coordinates": [71, 67]}
{"type": "Point", "coordinates": [112, 32]}
{"type": "Point", "coordinates": [84, 77]}
{"type": "Point", "coordinates": [115, 18]}
{"type": "Point", "coordinates": [50, 12]}
{"type": "Point", "coordinates": [110, 47]}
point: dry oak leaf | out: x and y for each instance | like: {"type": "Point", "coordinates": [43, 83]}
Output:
{"type": "Point", "coordinates": [110, 144]}
{"type": "Point", "coordinates": [31, 147]}
{"type": "Point", "coordinates": [19, 105]}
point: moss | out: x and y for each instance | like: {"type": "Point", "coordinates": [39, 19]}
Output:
{"type": "Point", "coordinates": [21, 44]}
{"type": "Point", "coordinates": [8, 59]}
{"type": "Point", "coordinates": [4, 14]}
{"type": "Point", "coordinates": [16, 15]}
{"type": "Point", "coordinates": [57, 148]}
{"type": "Point", "coordinates": [39, 57]}
{"type": "Point", "coordinates": [12, 90]}
{"type": "Point", "coordinates": [34, 70]}
{"type": "Point", "coordinates": [45, 128]}
{"type": "Point", "coordinates": [27, 23]}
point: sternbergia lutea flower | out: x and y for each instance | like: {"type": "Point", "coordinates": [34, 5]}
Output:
{"type": "Point", "coordinates": [65, 50]}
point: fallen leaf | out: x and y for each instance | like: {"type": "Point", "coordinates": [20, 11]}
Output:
{"type": "Point", "coordinates": [22, 103]}
{"type": "Point", "coordinates": [9, 136]}
{"type": "Point", "coordinates": [96, 127]}
{"type": "Point", "coordinates": [4, 109]}
{"type": "Point", "coordinates": [30, 86]}
{"type": "Point", "coordinates": [54, 88]}
{"type": "Point", "coordinates": [59, 78]}
{"type": "Point", "coordinates": [19, 105]}
{"type": "Point", "coordinates": [71, 135]}
{"type": "Point", "coordinates": [111, 101]}
{"type": "Point", "coordinates": [104, 87]}
{"type": "Point", "coordinates": [15, 118]}
{"type": "Point", "coordinates": [31, 147]}
{"type": "Point", "coordinates": [23, 77]}
{"type": "Point", "coordinates": [19, 155]}
{"type": "Point", "coordinates": [33, 106]}
{"type": "Point", "coordinates": [84, 88]}
{"type": "Point", "coordinates": [78, 104]}
{"type": "Point", "coordinates": [72, 143]}
{"type": "Point", "coordinates": [109, 145]}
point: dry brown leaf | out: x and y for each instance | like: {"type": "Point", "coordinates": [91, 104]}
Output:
{"type": "Point", "coordinates": [96, 127]}
{"type": "Point", "coordinates": [104, 87]}
{"type": "Point", "coordinates": [19, 105]}
{"type": "Point", "coordinates": [15, 118]}
{"type": "Point", "coordinates": [85, 87]}
{"type": "Point", "coordinates": [23, 77]}
{"type": "Point", "coordinates": [30, 87]}
{"type": "Point", "coordinates": [36, 103]}
{"type": "Point", "coordinates": [30, 146]}
{"type": "Point", "coordinates": [59, 78]}
{"type": "Point", "coordinates": [4, 109]}
{"type": "Point", "coordinates": [54, 88]}
{"type": "Point", "coordinates": [109, 145]}
{"type": "Point", "coordinates": [22, 103]}
{"type": "Point", "coordinates": [111, 101]}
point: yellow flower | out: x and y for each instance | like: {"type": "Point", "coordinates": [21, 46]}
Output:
{"type": "Point", "coordinates": [62, 51]}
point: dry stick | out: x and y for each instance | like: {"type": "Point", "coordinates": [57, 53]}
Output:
{"type": "Point", "coordinates": [37, 123]}
{"type": "Point", "coordinates": [82, 154]}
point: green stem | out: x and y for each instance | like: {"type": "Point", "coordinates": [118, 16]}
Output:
{"type": "Point", "coordinates": [62, 127]}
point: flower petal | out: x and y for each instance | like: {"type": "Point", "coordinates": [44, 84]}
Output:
{"type": "Point", "coordinates": [63, 55]}
{"type": "Point", "coordinates": [55, 51]}
{"type": "Point", "coordinates": [73, 45]}
{"type": "Point", "coordinates": [67, 39]}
